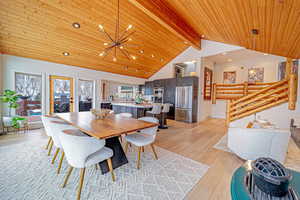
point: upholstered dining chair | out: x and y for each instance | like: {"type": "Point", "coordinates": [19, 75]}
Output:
{"type": "Point", "coordinates": [83, 151]}
{"type": "Point", "coordinates": [47, 127]}
{"type": "Point", "coordinates": [56, 128]}
{"type": "Point", "coordinates": [143, 138]}
{"type": "Point", "coordinates": [125, 115]}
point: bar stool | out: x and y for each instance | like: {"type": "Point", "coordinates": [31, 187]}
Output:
{"type": "Point", "coordinates": [156, 110]}
{"type": "Point", "coordinates": [165, 110]}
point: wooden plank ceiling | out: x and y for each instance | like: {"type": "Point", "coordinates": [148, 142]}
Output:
{"type": "Point", "coordinates": [42, 29]}
{"type": "Point", "coordinates": [231, 22]}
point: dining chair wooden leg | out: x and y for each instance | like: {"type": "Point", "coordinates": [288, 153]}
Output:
{"type": "Point", "coordinates": [67, 176]}
{"type": "Point", "coordinates": [60, 162]}
{"type": "Point", "coordinates": [50, 147]}
{"type": "Point", "coordinates": [139, 157]}
{"type": "Point", "coordinates": [126, 147]}
{"type": "Point", "coordinates": [49, 140]}
{"type": "Point", "coordinates": [154, 152]}
{"type": "Point", "coordinates": [55, 155]}
{"type": "Point", "coordinates": [82, 172]}
{"type": "Point", "coordinates": [143, 149]}
{"type": "Point", "coordinates": [111, 169]}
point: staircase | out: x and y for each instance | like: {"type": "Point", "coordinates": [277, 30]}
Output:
{"type": "Point", "coordinates": [247, 99]}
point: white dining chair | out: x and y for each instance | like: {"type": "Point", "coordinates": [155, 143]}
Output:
{"type": "Point", "coordinates": [143, 138]}
{"type": "Point", "coordinates": [83, 151]}
{"type": "Point", "coordinates": [56, 128]}
{"type": "Point", "coordinates": [129, 115]}
{"type": "Point", "coordinates": [47, 127]}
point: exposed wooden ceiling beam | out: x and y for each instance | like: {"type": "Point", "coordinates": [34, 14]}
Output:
{"type": "Point", "coordinates": [162, 12]}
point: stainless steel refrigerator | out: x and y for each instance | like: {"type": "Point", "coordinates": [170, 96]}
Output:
{"type": "Point", "coordinates": [184, 103]}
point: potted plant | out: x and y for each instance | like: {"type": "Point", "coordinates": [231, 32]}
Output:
{"type": "Point", "coordinates": [11, 98]}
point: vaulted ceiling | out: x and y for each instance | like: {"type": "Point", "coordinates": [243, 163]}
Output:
{"type": "Point", "coordinates": [42, 29]}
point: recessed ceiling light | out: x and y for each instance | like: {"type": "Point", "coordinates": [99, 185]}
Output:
{"type": "Point", "coordinates": [229, 59]}
{"type": "Point", "coordinates": [185, 42]}
{"type": "Point", "coordinates": [76, 25]}
{"type": "Point", "coordinates": [141, 51]}
{"type": "Point", "coordinates": [152, 55]}
{"type": "Point", "coordinates": [129, 27]}
{"type": "Point", "coordinates": [202, 36]}
{"type": "Point", "coordinates": [66, 53]}
{"type": "Point", "coordinates": [129, 39]}
{"type": "Point", "coordinates": [265, 54]}
{"type": "Point", "coordinates": [224, 53]}
{"type": "Point", "coordinates": [255, 31]}
{"type": "Point", "coordinates": [114, 59]}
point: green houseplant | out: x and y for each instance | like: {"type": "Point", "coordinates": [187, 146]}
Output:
{"type": "Point", "coordinates": [11, 98]}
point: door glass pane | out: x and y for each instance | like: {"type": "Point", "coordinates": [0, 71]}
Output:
{"type": "Point", "coordinates": [85, 95]}
{"type": "Point", "coordinates": [61, 92]}
{"type": "Point", "coordinates": [29, 86]}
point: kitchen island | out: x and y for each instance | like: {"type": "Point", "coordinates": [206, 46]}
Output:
{"type": "Point", "coordinates": [137, 110]}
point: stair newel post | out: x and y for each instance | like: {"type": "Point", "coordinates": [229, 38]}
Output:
{"type": "Point", "coordinates": [228, 112]}
{"type": "Point", "coordinates": [214, 93]}
{"type": "Point", "coordinates": [245, 88]}
{"type": "Point", "coordinates": [292, 93]}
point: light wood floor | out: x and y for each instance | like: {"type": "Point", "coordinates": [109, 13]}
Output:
{"type": "Point", "coordinates": [194, 141]}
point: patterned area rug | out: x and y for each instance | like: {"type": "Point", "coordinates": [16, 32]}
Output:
{"type": "Point", "coordinates": [26, 173]}
{"type": "Point", "coordinates": [222, 144]}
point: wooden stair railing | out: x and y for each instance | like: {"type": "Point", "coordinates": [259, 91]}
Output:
{"type": "Point", "coordinates": [247, 99]}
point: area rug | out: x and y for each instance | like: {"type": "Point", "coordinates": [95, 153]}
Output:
{"type": "Point", "coordinates": [26, 173]}
{"type": "Point", "coordinates": [222, 144]}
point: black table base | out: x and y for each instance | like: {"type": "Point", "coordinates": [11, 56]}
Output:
{"type": "Point", "coordinates": [119, 158]}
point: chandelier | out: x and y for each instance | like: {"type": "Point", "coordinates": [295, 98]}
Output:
{"type": "Point", "coordinates": [119, 41]}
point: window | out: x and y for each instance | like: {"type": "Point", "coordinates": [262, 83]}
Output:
{"type": "Point", "coordinates": [126, 92]}
{"type": "Point", "coordinates": [29, 86]}
{"type": "Point", "coordinates": [85, 95]}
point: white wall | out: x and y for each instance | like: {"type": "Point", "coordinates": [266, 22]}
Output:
{"type": "Point", "coordinates": [12, 64]}
{"type": "Point", "coordinates": [208, 48]}
{"type": "Point", "coordinates": [279, 115]}
{"type": "Point", "coordinates": [204, 106]}
{"type": "Point", "coordinates": [268, 62]}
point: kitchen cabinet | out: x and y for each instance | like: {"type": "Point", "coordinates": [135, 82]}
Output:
{"type": "Point", "coordinates": [148, 88]}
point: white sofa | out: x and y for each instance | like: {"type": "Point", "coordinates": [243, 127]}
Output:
{"type": "Point", "coordinates": [252, 143]}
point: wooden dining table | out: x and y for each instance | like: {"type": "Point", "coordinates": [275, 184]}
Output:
{"type": "Point", "coordinates": [109, 128]}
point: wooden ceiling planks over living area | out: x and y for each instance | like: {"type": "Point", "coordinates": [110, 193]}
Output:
{"type": "Point", "coordinates": [42, 29]}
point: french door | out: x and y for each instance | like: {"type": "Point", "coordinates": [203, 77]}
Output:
{"type": "Point", "coordinates": [61, 94]}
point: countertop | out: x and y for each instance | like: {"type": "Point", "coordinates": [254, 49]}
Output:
{"type": "Point", "coordinates": [133, 105]}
